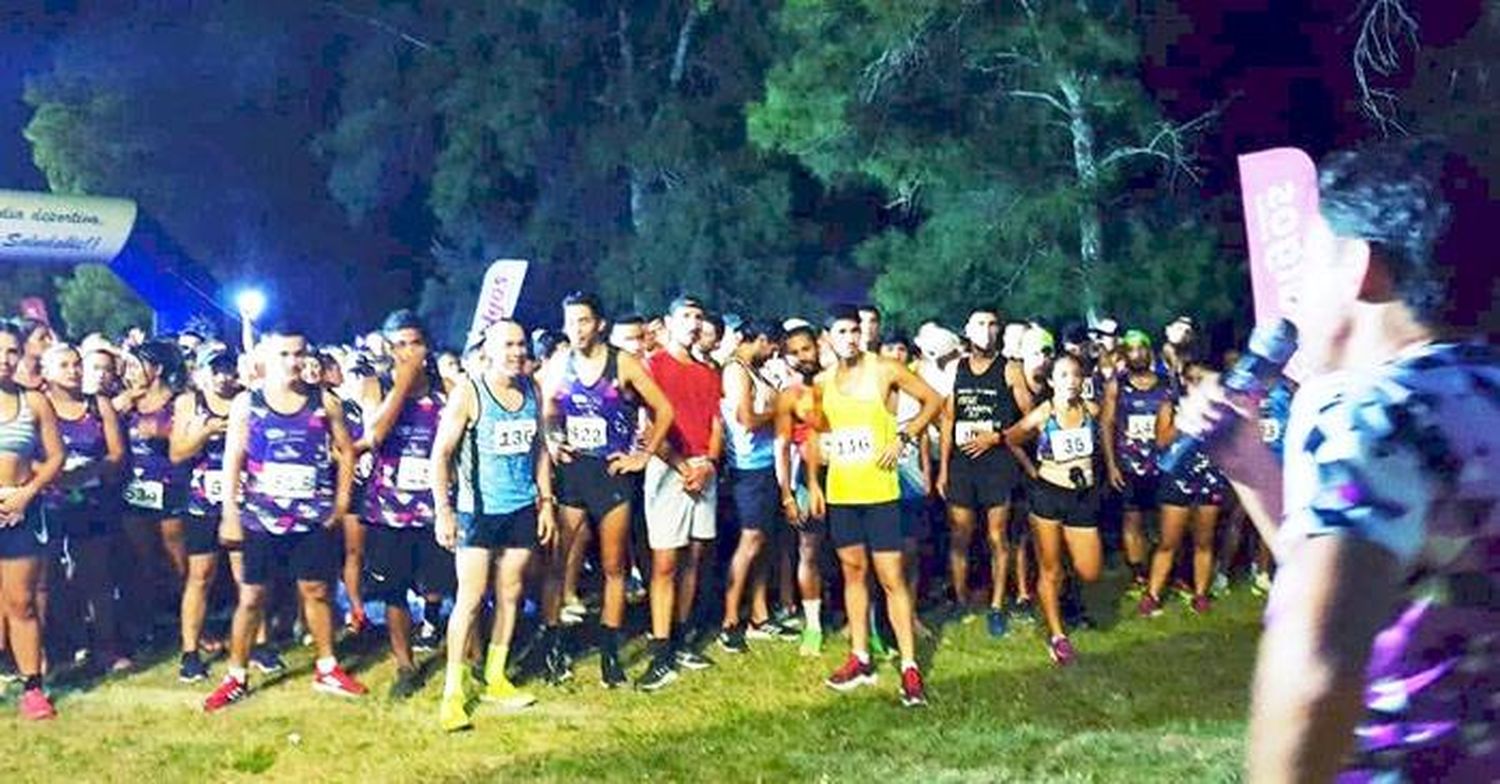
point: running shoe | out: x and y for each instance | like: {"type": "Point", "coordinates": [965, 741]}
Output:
{"type": "Point", "coordinates": [658, 676]}
{"type": "Point", "coordinates": [1023, 611]}
{"type": "Point", "coordinates": [229, 692]}
{"type": "Point", "coordinates": [338, 683]}
{"type": "Point", "coordinates": [453, 713]}
{"type": "Point", "coordinates": [407, 683]}
{"type": "Point", "coordinates": [8, 672]}
{"type": "Point", "coordinates": [36, 707]}
{"type": "Point", "coordinates": [788, 618]}
{"type": "Point", "coordinates": [1220, 583]}
{"type": "Point", "coordinates": [574, 612]}
{"type": "Point", "coordinates": [812, 642]}
{"type": "Point", "coordinates": [1201, 604]}
{"type": "Point", "coordinates": [1260, 585]}
{"type": "Point", "coordinates": [635, 587]}
{"type": "Point", "coordinates": [913, 691]}
{"type": "Point", "coordinates": [692, 660]}
{"type": "Point", "coordinates": [557, 666]}
{"type": "Point", "coordinates": [267, 660]}
{"type": "Point", "coordinates": [996, 622]}
{"type": "Point", "coordinates": [1061, 650]}
{"type": "Point", "coordinates": [1149, 607]}
{"type": "Point", "coordinates": [852, 675]}
{"type": "Point", "coordinates": [878, 648]}
{"type": "Point", "coordinates": [502, 692]}
{"type": "Point", "coordinates": [771, 630]}
{"type": "Point", "coordinates": [732, 640]}
{"type": "Point", "coordinates": [192, 668]}
{"type": "Point", "coordinates": [356, 622]}
{"type": "Point", "coordinates": [428, 639]}
{"type": "Point", "coordinates": [611, 674]}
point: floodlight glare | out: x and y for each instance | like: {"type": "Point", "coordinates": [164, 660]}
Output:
{"type": "Point", "coordinates": [251, 303]}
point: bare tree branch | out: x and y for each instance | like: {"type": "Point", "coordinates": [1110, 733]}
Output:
{"type": "Point", "coordinates": [1047, 98]}
{"type": "Point", "coordinates": [379, 24]}
{"type": "Point", "coordinates": [1172, 144]}
{"type": "Point", "coordinates": [1383, 25]}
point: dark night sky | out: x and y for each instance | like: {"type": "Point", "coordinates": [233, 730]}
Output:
{"type": "Point", "coordinates": [1285, 63]}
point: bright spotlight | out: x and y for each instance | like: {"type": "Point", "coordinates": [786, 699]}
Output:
{"type": "Point", "coordinates": [251, 303]}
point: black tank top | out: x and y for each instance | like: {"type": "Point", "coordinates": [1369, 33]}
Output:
{"type": "Point", "coordinates": [983, 403]}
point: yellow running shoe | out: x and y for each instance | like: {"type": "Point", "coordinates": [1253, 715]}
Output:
{"type": "Point", "coordinates": [453, 714]}
{"type": "Point", "coordinates": [504, 693]}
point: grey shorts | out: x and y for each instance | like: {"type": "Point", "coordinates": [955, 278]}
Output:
{"type": "Point", "coordinates": [673, 517]}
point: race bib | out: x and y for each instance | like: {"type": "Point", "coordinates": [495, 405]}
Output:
{"type": "Point", "coordinates": [75, 461]}
{"type": "Point", "coordinates": [513, 436]}
{"type": "Point", "coordinates": [414, 474]}
{"type": "Point", "coordinates": [143, 494]}
{"type": "Point", "coordinates": [850, 445]}
{"type": "Point", "coordinates": [965, 431]}
{"type": "Point", "coordinates": [1140, 427]}
{"type": "Point", "coordinates": [586, 432]}
{"type": "Point", "coordinates": [1270, 430]}
{"type": "Point", "coordinates": [289, 481]}
{"type": "Point", "coordinates": [213, 486]}
{"type": "Point", "coordinates": [1072, 444]}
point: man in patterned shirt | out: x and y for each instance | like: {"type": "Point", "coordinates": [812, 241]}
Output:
{"type": "Point", "coordinates": [1381, 654]}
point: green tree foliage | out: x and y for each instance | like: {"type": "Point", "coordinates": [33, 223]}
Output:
{"type": "Point", "coordinates": [92, 299]}
{"type": "Point", "coordinates": [1019, 133]}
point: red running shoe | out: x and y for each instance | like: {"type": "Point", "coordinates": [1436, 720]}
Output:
{"type": "Point", "coordinates": [338, 683]}
{"type": "Point", "coordinates": [852, 675]}
{"type": "Point", "coordinates": [1201, 604]}
{"type": "Point", "coordinates": [229, 692]}
{"type": "Point", "coordinates": [36, 707]}
{"type": "Point", "coordinates": [1061, 650]}
{"type": "Point", "coordinates": [913, 692]}
{"type": "Point", "coordinates": [1149, 607]}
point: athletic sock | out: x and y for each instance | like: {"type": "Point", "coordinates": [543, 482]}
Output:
{"type": "Point", "coordinates": [239, 674]}
{"type": "Point", "coordinates": [609, 640]}
{"type": "Point", "coordinates": [32, 682]}
{"type": "Point", "coordinates": [863, 656]}
{"type": "Point", "coordinates": [494, 663]}
{"type": "Point", "coordinates": [453, 680]}
{"type": "Point", "coordinates": [812, 614]}
{"type": "Point", "coordinates": [908, 664]}
{"type": "Point", "coordinates": [326, 664]}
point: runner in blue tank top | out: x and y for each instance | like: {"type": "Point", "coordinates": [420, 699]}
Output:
{"type": "Point", "coordinates": [590, 417]}
{"type": "Point", "coordinates": [749, 413]}
{"type": "Point", "coordinates": [487, 445]}
{"type": "Point", "coordinates": [198, 423]}
{"type": "Point", "coordinates": [288, 469]}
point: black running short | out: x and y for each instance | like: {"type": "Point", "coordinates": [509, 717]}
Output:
{"type": "Point", "coordinates": [757, 499]}
{"type": "Point", "coordinates": [402, 559]}
{"type": "Point", "coordinates": [1139, 494]}
{"type": "Point", "coordinates": [585, 484]}
{"type": "Point", "coordinates": [306, 557]}
{"type": "Point", "coordinates": [1073, 508]}
{"type": "Point", "coordinates": [509, 531]}
{"type": "Point", "coordinates": [981, 485]}
{"type": "Point", "coordinates": [201, 534]}
{"type": "Point", "coordinates": [876, 526]}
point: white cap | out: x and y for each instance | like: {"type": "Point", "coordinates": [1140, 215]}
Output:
{"type": "Point", "coordinates": [935, 342]}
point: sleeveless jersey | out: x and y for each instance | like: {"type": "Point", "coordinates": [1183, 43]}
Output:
{"type": "Point", "coordinates": [859, 428]}
{"type": "Point", "coordinates": [1135, 425]}
{"type": "Point", "coordinates": [982, 403]}
{"type": "Point", "coordinates": [153, 483]}
{"type": "Point", "coordinates": [1068, 448]}
{"type": "Point", "coordinates": [497, 457]}
{"type": "Point", "coordinates": [399, 494]}
{"type": "Point", "coordinates": [206, 482]}
{"type": "Point", "coordinates": [750, 450]}
{"type": "Point", "coordinates": [84, 447]}
{"type": "Point", "coordinates": [289, 474]}
{"type": "Point", "coordinates": [598, 419]}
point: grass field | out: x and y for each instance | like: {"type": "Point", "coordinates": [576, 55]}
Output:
{"type": "Point", "coordinates": [1158, 700]}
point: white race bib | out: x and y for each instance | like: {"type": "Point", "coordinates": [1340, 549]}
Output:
{"type": "Point", "coordinates": [289, 481]}
{"type": "Point", "coordinates": [849, 445]}
{"type": "Point", "coordinates": [1270, 430]}
{"type": "Point", "coordinates": [513, 436]}
{"type": "Point", "coordinates": [1140, 427]}
{"type": "Point", "coordinates": [587, 432]}
{"type": "Point", "coordinates": [1072, 444]}
{"type": "Point", "coordinates": [413, 474]}
{"type": "Point", "coordinates": [143, 494]}
{"type": "Point", "coordinates": [965, 431]}
{"type": "Point", "coordinates": [213, 486]}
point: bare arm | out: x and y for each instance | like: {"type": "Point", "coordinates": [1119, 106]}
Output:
{"type": "Point", "coordinates": [236, 440]}
{"type": "Point", "coordinates": [343, 457]}
{"type": "Point", "coordinates": [912, 384]}
{"type": "Point", "coordinates": [189, 434]}
{"type": "Point", "coordinates": [114, 438]}
{"type": "Point", "coordinates": [387, 408]}
{"type": "Point", "coordinates": [634, 373]}
{"type": "Point", "coordinates": [1107, 414]}
{"type": "Point", "coordinates": [739, 389]}
{"type": "Point", "coordinates": [457, 415]}
{"type": "Point", "coordinates": [46, 471]}
{"type": "Point", "coordinates": [1331, 599]}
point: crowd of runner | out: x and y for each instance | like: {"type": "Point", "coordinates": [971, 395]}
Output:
{"type": "Point", "coordinates": [729, 474]}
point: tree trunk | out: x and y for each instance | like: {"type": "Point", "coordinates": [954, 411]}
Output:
{"type": "Point", "coordinates": [1086, 168]}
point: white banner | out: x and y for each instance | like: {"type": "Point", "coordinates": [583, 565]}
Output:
{"type": "Point", "coordinates": [499, 294]}
{"type": "Point", "coordinates": [51, 227]}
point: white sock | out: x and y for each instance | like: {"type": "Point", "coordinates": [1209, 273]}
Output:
{"type": "Point", "coordinates": [812, 614]}
{"type": "Point", "coordinates": [863, 656]}
{"type": "Point", "coordinates": [239, 674]}
{"type": "Point", "coordinates": [325, 665]}
{"type": "Point", "coordinates": [908, 664]}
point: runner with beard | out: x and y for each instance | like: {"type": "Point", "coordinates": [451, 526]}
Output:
{"type": "Point", "coordinates": [797, 421]}
{"type": "Point", "coordinates": [1135, 414]}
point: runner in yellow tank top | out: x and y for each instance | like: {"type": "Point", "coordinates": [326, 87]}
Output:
{"type": "Point", "coordinates": [861, 446]}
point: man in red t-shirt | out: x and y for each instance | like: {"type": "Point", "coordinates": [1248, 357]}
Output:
{"type": "Point", "coordinates": [681, 491]}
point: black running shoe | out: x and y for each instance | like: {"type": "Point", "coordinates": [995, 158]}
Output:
{"type": "Point", "coordinates": [658, 676]}
{"type": "Point", "coordinates": [611, 674]}
{"type": "Point", "coordinates": [428, 638]}
{"type": "Point", "coordinates": [732, 639]}
{"type": "Point", "coordinates": [692, 660]}
{"type": "Point", "coordinates": [267, 660]}
{"type": "Point", "coordinates": [557, 666]}
{"type": "Point", "coordinates": [193, 669]}
{"type": "Point", "coordinates": [408, 683]}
